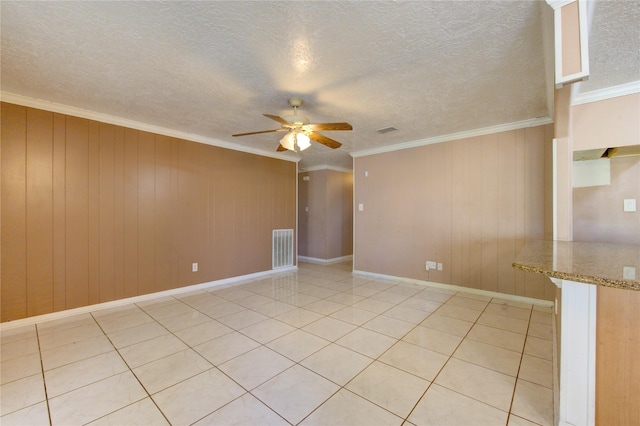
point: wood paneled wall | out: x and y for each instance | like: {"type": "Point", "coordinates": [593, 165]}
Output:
{"type": "Point", "coordinates": [617, 350]}
{"type": "Point", "coordinates": [470, 204]}
{"type": "Point", "coordinates": [326, 229]}
{"type": "Point", "coordinates": [93, 212]}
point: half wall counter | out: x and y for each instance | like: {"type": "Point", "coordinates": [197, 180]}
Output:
{"type": "Point", "coordinates": [597, 328]}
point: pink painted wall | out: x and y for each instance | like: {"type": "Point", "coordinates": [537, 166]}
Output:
{"type": "Point", "coordinates": [597, 211]}
{"type": "Point", "coordinates": [608, 123]}
{"type": "Point", "coordinates": [470, 204]}
{"type": "Point", "coordinates": [326, 229]}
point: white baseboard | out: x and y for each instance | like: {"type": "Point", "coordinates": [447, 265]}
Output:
{"type": "Point", "coordinates": [112, 304]}
{"type": "Point", "coordinates": [504, 296]}
{"type": "Point", "coordinates": [325, 261]}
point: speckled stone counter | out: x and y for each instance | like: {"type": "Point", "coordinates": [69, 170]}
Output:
{"type": "Point", "coordinates": [609, 265]}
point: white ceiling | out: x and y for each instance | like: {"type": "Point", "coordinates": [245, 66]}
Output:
{"type": "Point", "coordinates": [212, 68]}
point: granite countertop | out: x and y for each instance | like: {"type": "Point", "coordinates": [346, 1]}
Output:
{"type": "Point", "coordinates": [610, 265]}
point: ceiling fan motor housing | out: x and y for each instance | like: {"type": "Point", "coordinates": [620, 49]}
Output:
{"type": "Point", "coordinates": [298, 120]}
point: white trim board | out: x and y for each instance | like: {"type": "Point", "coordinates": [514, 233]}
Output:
{"type": "Point", "coordinates": [533, 122]}
{"type": "Point", "coordinates": [325, 261]}
{"type": "Point", "coordinates": [120, 302]}
{"type": "Point", "coordinates": [504, 296]}
{"type": "Point", "coordinates": [13, 98]}
{"type": "Point", "coordinates": [630, 88]}
{"type": "Point", "coordinates": [326, 167]}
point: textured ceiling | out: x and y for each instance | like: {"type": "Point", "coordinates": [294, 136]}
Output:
{"type": "Point", "coordinates": [428, 68]}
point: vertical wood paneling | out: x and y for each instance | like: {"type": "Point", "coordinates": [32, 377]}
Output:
{"type": "Point", "coordinates": [14, 212]}
{"type": "Point", "coordinates": [39, 170]}
{"type": "Point", "coordinates": [176, 225]}
{"type": "Point", "coordinates": [77, 212]}
{"type": "Point", "coordinates": [118, 213]}
{"type": "Point", "coordinates": [521, 205]}
{"type": "Point", "coordinates": [162, 216]}
{"type": "Point", "coordinates": [474, 178]}
{"type": "Point", "coordinates": [106, 213]}
{"type": "Point", "coordinates": [459, 209]}
{"type": "Point", "coordinates": [130, 224]}
{"type": "Point", "coordinates": [185, 205]}
{"type": "Point", "coordinates": [536, 285]}
{"type": "Point", "coordinates": [617, 338]}
{"type": "Point", "coordinates": [490, 168]}
{"type": "Point", "coordinates": [441, 212]}
{"type": "Point", "coordinates": [201, 218]}
{"type": "Point", "coordinates": [146, 213]}
{"type": "Point", "coordinates": [240, 216]}
{"type": "Point", "coordinates": [59, 202]}
{"type": "Point", "coordinates": [507, 210]}
{"type": "Point", "coordinates": [215, 180]}
{"type": "Point", "coordinates": [93, 212]}
{"type": "Point", "coordinates": [225, 218]}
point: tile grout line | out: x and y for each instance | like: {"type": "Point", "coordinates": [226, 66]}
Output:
{"type": "Point", "coordinates": [44, 381]}
{"type": "Point", "coordinates": [449, 359]}
{"type": "Point", "coordinates": [515, 385]}
{"type": "Point", "coordinates": [130, 370]}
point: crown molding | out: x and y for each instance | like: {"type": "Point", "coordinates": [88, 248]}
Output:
{"type": "Point", "coordinates": [540, 121]}
{"type": "Point", "coordinates": [325, 167]}
{"type": "Point", "coordinates": [556, 4]}
{"type": "Point", "coordinates": [630, 88]}
{"type": "Point", "coordinates": [125, 122]}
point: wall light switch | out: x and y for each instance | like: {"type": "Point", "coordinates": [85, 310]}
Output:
{"type": "Point", "coordinates": [630, 205]}
{"type": "Point", "coordinates": [194, 267]}
{"type": "Point", "coordinates": [431, 265]}
{"type": "Point", "coordinates": [360, 207]}
{"type": "Point", "coordinates": [628, 273]}
{"type": "Point", "coordinates": [305, 178]}
{"type": "Point", "coordinates": [306, 209]}
{"type": "Point", "coordinates": [439, 266]}
{"type": "Point", "coordinates": [366, 173]}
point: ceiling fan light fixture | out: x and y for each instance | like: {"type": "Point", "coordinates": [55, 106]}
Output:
{"type": "Point", "coordinates": [295, 141]}
{"type": "Point", "coordinates": [288, 141]}
{"type": "Point", "coordinates": [303, 141]}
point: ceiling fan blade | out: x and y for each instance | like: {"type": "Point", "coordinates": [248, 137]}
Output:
{"type": "Point", "coordinates": [330, 126]}
{"type": "Point", "coordinates": [262, 131]}
{"type": "Point", "coordinates": [324, 140]}
{"type": "Point", "coordinates": [281, 148]}
{"type": "Point", "coordinates": [278, 119]}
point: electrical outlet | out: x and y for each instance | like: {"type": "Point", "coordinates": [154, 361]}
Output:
{"type": "Point", "coordinates": [194, 267]}
{"type": "Point", "coordinates": [629, 205]}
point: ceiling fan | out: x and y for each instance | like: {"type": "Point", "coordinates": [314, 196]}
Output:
{"type": "Point", "coordinates": [300, 131]}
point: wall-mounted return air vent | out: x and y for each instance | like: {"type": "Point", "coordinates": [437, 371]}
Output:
{"type": "Point", "coordinates": [282, 254]}
{"type": "Point", "coordinates": [386, 130]}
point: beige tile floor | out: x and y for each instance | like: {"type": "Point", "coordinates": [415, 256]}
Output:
{"type": "Point", "coordinates": [317, 346]}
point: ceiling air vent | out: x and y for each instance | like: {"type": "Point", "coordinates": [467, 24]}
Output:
{"type": "Point", "coordinates": [386, 130]}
